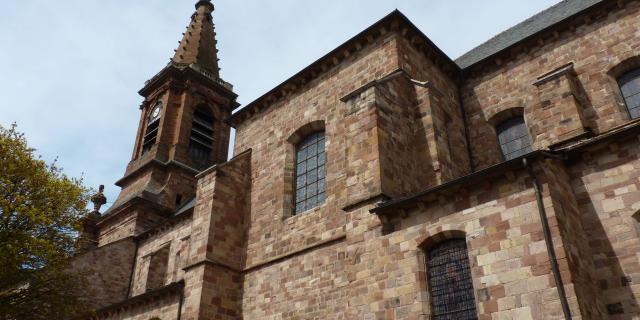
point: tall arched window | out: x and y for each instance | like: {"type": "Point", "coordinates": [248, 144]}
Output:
{"type": "Point", "coordinates": [450, 281]}
{"type": "Point", "coordinates": [630, 87]}
{"type": "Point", "coordinates": [201, 134]}
{"type": "Point", "coordinates": [153, 123]}
{"type": "Point", "coordinates": [513, 138]}
{"type": "Point", "coordinates": [310, 174]}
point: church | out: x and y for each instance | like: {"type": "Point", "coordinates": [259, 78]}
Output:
{"type": "Point", "coordinates": [386, 181]}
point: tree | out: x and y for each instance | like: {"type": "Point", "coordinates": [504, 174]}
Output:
{"type": "Point", "coordinates": [40, 212]}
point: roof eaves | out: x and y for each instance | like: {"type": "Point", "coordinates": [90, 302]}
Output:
{"type": "Point", "coordinates": [627, 131]}
{"type": "Point", "coordinates": [497, 169]}
{"type": "Point", "coordinates": [395, 14]}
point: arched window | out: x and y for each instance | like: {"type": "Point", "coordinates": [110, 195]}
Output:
{"type": "Point", "coordinates": [310, 174]}
{"type": "Point", "coordinates": [151, 132]}
{"type": "Point", "coordinates": [201, 134]}
{"type": "Point", "coordinates": [513, 138]}
{"type": "Point", "coordinates": [450, 281]}
{"type": "Point", "coordinates": [630, 87]}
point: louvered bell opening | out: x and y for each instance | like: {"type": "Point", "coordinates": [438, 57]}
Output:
{"type": "Point", "coordinates": [150, 135]}
{"type": "Point", "coordinates": [201, 140]}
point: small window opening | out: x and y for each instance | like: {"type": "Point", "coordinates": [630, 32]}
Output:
{"type": "Point", "coordinates": [630, 87]}
{"type": "Point", "coordinates": [514, 138]}
{"type": "Point", "coordinates": [153, 123]}
{"type": "Point", "coordinates": [158, 264]}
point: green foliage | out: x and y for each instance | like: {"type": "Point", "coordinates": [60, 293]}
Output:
{"type": "Point", "coordinates": [40, 209]}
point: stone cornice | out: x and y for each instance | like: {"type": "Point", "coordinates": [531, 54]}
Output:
{"type": "Point", "coordinates": [142, 299]}
{"type": "Point", "coordinates": [393, 75]}
{"type": "Point", "coordinates": [159, 163]}
{"type": "Point", "coordinates": [567, 69]}
{"type": "Point", "coordinates": [393, 23]}
{"type": "Point", "coordinates": [321, 243]}
{"type": "Point", "coordinates": [164, 225]}
{"type": "Point", "coordinates": [336, 238]}
{"type": "Point", "coordinates": [481, 175]}
{"type": "Point", "coordinates": [220, 166]}
{"type": "Point", "coordinates": [214, 263]}
{"type": "Point", "coordinates": [135, 201]}
{"type": "Point", "coordinates": [181, 72]}
{"type": "Point", "coordinates": [620, 133]}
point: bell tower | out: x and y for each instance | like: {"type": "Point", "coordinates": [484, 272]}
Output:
{"type": "Point", "coordinates": [181, 129]}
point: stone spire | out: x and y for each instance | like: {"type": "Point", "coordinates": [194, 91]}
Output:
{"type": "Point", "coordinates": [198, 45]}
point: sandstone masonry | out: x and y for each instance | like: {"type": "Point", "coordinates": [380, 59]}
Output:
{"type": "Point", "coordinates": [412, 159]}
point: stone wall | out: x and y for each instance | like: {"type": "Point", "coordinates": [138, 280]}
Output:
{"type": "Point", "coordinates": [110, 271]}
{"type": "Point", "coordinates": [393, 126]}
{"type": "Point", "coordinates": [213, 273]}
{"type": "Point", "coordinates": [499, 219]}
{"type": "Point", "coordinates": [352, 165]}
{"type": "Point", "coordinates": [162, 309]}
{"type": "Point", "coordinates": [117, 228]}
{"type": "Point", "coordinates": [310, 285]}
{"type": "Point", "coordinates": [606, 183]}
{"type": "Point", "coordinates": [595, 48]}
{"type": "Point", "coordinates": [175, 237]}
{"type": "Point", "coordinates": [577, 266]}
{"type": "Point", "coordinates": [161, 305]}
{"type": "Point", "coordinates": [373, 273]}
{"type": "Point", "coordinates": [440, 117]}
{"type": "Point", "coordinates": [404, 168]}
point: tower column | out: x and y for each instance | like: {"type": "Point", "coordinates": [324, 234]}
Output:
{"type": "Point", "coordinates": [181, 133]}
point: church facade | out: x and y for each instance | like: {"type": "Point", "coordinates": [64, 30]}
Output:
{"type": "Point", "coordinates": [387, 181]}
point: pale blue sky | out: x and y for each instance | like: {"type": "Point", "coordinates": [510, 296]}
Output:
{"type": "Point", "coordinates": [70, 69]}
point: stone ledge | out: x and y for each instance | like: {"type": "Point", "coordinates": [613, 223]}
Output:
{"type": "Point", "coordinates": [302, 250]}
{"type": "Point", "coordinates": [219, 166]}
{"type": "Point", "coordinates": [554, 74]}
{"type": "Point", "coordinates": [212, 262]}
{"type": "Point", "coordinates": [364, 201]}
{"type": "Point", "coordinates": [149, 296]}
{"type": "Point", "coordinates": [497, 169]}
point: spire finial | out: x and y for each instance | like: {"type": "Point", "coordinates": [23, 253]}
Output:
{"type": "Point", "coordinates": [98, 200]}
{"type": "Point", "coordinates": [204, 3]}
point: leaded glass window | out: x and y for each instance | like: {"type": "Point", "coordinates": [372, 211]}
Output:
{"type": "Point", "coordinates": [514, 138]}
{"type": "Point", "coordinates": [450, 282]}
{"type": "Point", "coordinates": [630, 87]}
{"type": "Point", "coordinates": [310, 173]}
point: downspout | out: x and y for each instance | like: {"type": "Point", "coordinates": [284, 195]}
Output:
{"type": "Point", "coordinates": [547, 239]}
{"type": "Point", "coordinates": [180, 302]}
{"type": "Point", "coordinates": [465, 125]}
{"type": "Point", "coordinates": [133, 267]}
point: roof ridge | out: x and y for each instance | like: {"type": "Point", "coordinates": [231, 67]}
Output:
{"type": "Point", "coordinates": [523, 22]}
{"type": "Point", "coordinates": [524, 29]}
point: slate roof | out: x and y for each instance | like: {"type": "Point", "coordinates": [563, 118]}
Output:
{"type": "Point", "coordinates": [186, 207]}
{"type": "Point", "coordinates": [525, 29]}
